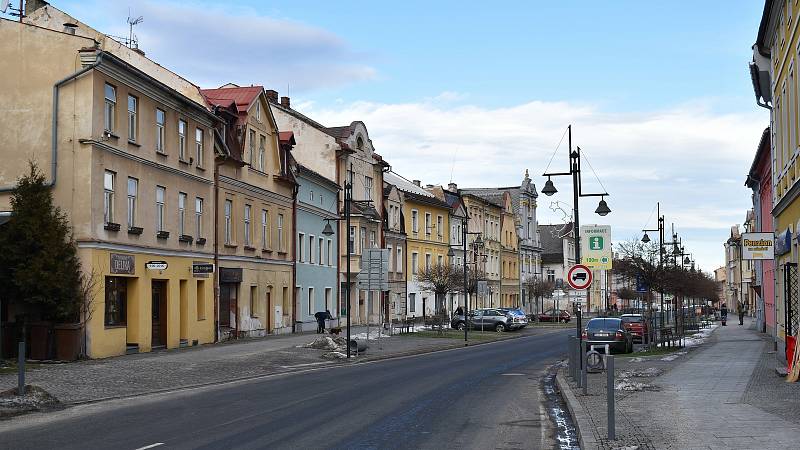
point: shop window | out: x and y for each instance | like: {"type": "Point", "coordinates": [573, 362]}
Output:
{"type": "Point", "coordinates": [116, 301]}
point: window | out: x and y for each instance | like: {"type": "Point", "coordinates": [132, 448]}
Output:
{"type": "Point", "coordinates": [110, 108]}
{"type": "Point", "coordinates": [198, 217]}
{"type": "Point", "coordinates": [253, 301]}
{"type": "Point", "coordinates": [330, 252]}
{"type": "Point", "coordinates": [182, 140]}
{"type": "Point", "coordinates": [311, 300]}
{"type": "Point", "coordinates": [160, 121]}
{"type": "Point", "coordinates": [311, 196]}
{"type": "Point", "coordinates": [412, 302]}
{"type": "Point", "coordinates": [439, 260]}
{"type": "Point", "coordinates": [372, 242]}
{"type": "Point", "coordinates": [116, 301]}
{"type": "Point", "coordinates": [399, 260]}
{"type": "Point", "coordinates": [367, 188]}
{"type": "Point", "coordinates": [160, 194]}
{"type": "Point", "coordinates": [352, 241]}
{"type": "Point", "coordinates": [391, 260]}
{"type": "Point", "coordinates": [247, 225]}
{"type": "Point", "coordinates": [439, 226]}
{"type": "Point", "coordinates": [311, 249]}
{"type": "Point", "coordinates": [363, 240]}
{"type": "Point", "coordinates": [133, 189]}
{"type": "Point", "coordinates": [261, 149]}
{"type": "Point", "coordinates": [427, 223]}
{"type": "Point", "coordinates": [301, 239]}
{"type": "Point", "coordinates": [258, 111]}
{"type": "Point", "coordinates": [414, 262]}
{"type": "Point", "coordinates": [280, 232]}
{"type": "Point", "coordinates": [133, 107]}
{"type": "Point", "coordinates": [320, 244]}
{"type": "Point", "coordinates": [414, 221]}
{"type": "Point", "coordinates": [198, 146]}
{"type": "Point", "coordinates": [328, 299]}
{"type": "Point", "coordinates": [228, 219]}
{"type": "Point", "coordinates": [264, 228]}
{"type": "Point", "coordinates": [182, 213]}
{"type": "Point", "coordinates": [551, 275]}
{"type": "Point", "coordinates": [252, 144]}
{"type": "Point", "coordinates": [427, 261]}
{"type": "Point", "coordinates": [108, 196]}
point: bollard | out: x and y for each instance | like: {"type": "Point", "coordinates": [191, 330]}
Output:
{"type": "Point", "coordinates": [610, 401]}
{"type": "Point", "coordinates": [21, 369]}
{"type": "Point", "coordinates": [584, 379]}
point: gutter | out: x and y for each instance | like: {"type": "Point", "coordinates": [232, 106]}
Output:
{"type": "Point", "coordinates": [54, 122]}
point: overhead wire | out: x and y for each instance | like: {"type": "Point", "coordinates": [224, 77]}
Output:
{"type": "Point", "coordinates": [556, 150]}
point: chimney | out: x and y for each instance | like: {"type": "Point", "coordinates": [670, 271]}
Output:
{"type": "Point", "coordinates": [416, 182]}
{"type": "Point", "coordinates": [452, 187]}
{"type": "Point", "coordinates": [272, 96]}
{"type": "Point", "coordinates": [285, 102]}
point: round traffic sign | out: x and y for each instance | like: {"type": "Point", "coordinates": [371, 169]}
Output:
{"type": "Point", "coordinates": [579, 277]}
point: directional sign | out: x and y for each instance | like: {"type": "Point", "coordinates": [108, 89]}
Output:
{"type": "Point", "coordinates": [374, 274]}
{"type": "Point", "coordinates": [596, 246]}
{"type": "Point", "coordinates": [579, 277]}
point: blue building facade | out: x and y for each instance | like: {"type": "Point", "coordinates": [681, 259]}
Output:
{"type": "Point", "coordinates": [316, 253]}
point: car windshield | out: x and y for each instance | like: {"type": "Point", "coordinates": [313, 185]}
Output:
{"type": "Point", "coordinates": [632, 319]}
{"type": "Point", "coordinates": [603, 324]}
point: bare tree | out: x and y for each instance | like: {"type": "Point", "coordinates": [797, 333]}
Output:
{"type": "Point", "coordinates": [440, 279]}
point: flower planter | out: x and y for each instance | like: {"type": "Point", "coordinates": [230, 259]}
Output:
{"type": "Point", "coordinates": [68, 341]}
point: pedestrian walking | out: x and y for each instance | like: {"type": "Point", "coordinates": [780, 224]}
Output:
{"type": "Point", "coordinates": [321, 317]}
{"type": "Point", "coordinates": [740, 310]}
{"type": "Point", "coordinates": [723, 314]}
{"type": "Point", "coordinates": [459, 311]}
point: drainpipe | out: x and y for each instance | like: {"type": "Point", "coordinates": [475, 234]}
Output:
{"type": "Point", "coordinates": [54, 122]}
{"type": "Point", "coordinates": [294, 256]}
{"type": "Point", "coordinates": [216, 250]}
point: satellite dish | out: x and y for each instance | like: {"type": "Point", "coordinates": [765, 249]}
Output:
{"type": "Point", "coordinates": [4, 5]}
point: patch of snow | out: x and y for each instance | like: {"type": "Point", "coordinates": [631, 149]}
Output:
{"type": "Point", "coordinates": [628, 385]}
{"type": "Point", "coordinates": [641, 373]}
{"type": "Point", "coordinates": [638, 359]}
{"type": "Point", "coordinates": [627, 447]}
{"type": "Point", "coordinates": [334, 355]}
{"type": "Point", "coordinates": [336, 343]}
{"type": "Point", "coordinates": [673, 356]}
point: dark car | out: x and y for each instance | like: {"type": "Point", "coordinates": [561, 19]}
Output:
{"type": "Point", "coordinates": [487, 319]}
{"type": "Point", "coordinates": [637, 326]}
{"type": "Point", "coordinates": [554, 315]}
{"type": "Point", "coordinates": [609, 331]}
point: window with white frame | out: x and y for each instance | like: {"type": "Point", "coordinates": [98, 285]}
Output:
{"type": "Point", "coordinates": [133, 192]}
{"type": "Point", "coordinates": [182, 140]}
{"type": "Point", "coordinates": [301, 240]}
{"type": "Point", "coordinates": [161, 193]}
{"type": "Point", "coordinates": [228, 222]}
{"type": "Point", "coordinates": [320, 245]}
{"type": "Point", "coordinates": [262, 145]}
{"type": "Point", "coordinates": [258, 111]}
{"type": "Point", "coordinates": [414, 262]}
{"type": "Point", "coordinates": [198, 217]}
{"type": "Point", "coordinates": [161, 118]}
{"type": "Point", "coordinates": [311, 301]}
{"type": "Point", "coordinates": [328, 299]}
{"type": "Point", "coordinates": [182, 213]}
{"type": "Point", "coordinates": [280, 232]}
{"type": "Point", "coordinates": [330, 252]}
{"type": "Point", "coordinates": [133, 119]}
{"type": "Point", "coordinates": [264, 228]}
{"type": "Point", "coordinates": [414, 221]}
{"type": "Point", "coordinates": [248, 225]}
{"type": "Point", "coordinates": [351, 243]}
{"type": "Point", "coordinates": [252, 147]}
{"type": "Point", "coordinates": [109, 180]}
{"type": "Point", "coordinates": [311, 258]}
{"type": "Point", "coordinates": [363, 240]}
{"type": "Point", "coordinates": [367, 188]}
{"type": "Point", "coordinates": [440, 260]}
{"type": "Point", "coordinates": [109, 110]}
{"type": "Point", "coordinates": [439, 226]}
{"type": "Point", "coordinates": [391, 260]}
{"type": "Point", "coordinates": [427, 261]}
{"type": "Point", "coordinates": [199, 154]}
{"type": "Point", "coordinates": [428, 223]}
{"type": "Point", "coordinates": [373, 243]}
{"type": "Point", "coordinates": [399, 259]}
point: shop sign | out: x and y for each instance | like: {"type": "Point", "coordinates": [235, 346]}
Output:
{"type": "Point", "coordinates": [156, 265]}
{"type": "Point", "coordinates": [783, 242]}
{"type": "Point", "coordinates": [230, 275]}
{"type": "Point", "coordinates": [758, 246]}
{"type": "Point", "coordinates": [202, 268]}
{"type": "Point", "coordinates": [123, 264]}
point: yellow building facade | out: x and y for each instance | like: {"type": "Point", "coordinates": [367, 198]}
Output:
{"type": "Point", "coordinates": [509, 255]}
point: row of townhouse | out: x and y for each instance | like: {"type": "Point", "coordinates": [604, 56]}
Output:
{"type": "Point", "coordinates": [771, 290]}
{"type": "Point", "coordinates": [162, 180]}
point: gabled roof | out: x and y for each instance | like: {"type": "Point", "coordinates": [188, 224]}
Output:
{"type": "Point", "coordinates": [243, 97]}
{"type": "Point", "coordinates": [762, 151]}
{"type": "Point", "coordinates": [286, 137]}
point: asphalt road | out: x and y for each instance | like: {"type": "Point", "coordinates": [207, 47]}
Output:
{"type": "Point", "coordinates": [481, 397]}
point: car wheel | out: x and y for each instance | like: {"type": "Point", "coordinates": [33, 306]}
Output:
{"type": "Point", "coordinates": [499, 328]}
{"type": "Point", "coordinates": [460, 326]}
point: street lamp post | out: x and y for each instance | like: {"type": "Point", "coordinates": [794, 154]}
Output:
{"type": "Point", "coordinates": [577, 192]}
{"type": "Point", "coordinates": [475, 245]}
{"type": "Point", "coordinates": [646, 239]}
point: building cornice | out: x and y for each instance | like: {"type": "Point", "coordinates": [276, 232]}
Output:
{"type": "Point", "coordinates": [278, 198]}
{"type": "Point", "coordinates": [789, 198]}
{"type": "Point", "coordinates": [104, 245]}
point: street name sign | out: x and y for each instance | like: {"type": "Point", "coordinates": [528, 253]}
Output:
{"type": "Point", "coordinates": [579, 277]}
{"type": "Point", "coordinates": [758, 246]}
{"type": "Point", "coordinates": [596, 246]}
{"type": "Point", "coordinates": [156, 265]}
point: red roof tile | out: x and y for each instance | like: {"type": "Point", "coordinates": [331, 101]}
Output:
{"type": "Point", "coordinates": [242, 96]}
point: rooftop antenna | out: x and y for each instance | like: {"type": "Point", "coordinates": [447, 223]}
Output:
{"type": "Point", "coordinates": [132, 41]}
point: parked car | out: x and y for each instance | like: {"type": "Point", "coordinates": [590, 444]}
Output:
{"type": "Point", "coordinates": [487, 319]}
{"type": "Point", "coordinates": [555, 316]}
{"type": "Point", "coordinates": [519, 318]}
{"type": "Point", "coordinates": [637, 326]}
{"type": "Point", "coordinates": [606, 330]}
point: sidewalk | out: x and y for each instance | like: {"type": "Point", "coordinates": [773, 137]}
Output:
{"type": "Point", "coordinates": [708, 397]}
{"type": "Point", "coordinates": [145, 373]}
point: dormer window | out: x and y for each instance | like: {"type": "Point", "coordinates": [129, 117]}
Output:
{"type": "Point", "coordinates": [360, 143]}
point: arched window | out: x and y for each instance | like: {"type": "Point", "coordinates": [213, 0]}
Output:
{"type": "Point", "coordinates": [360, 143]}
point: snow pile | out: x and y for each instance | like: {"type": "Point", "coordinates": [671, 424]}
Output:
{"type": "Point", "coordinates": [673, 356]}
{"type": "Point", "coordinates": [631, 386]}
{"type": "Point", "coordinates": [336, 343]}
{"type": "Point", "coordinates": [627, 447]}
{"type": "Point", "coordinates": [701, 337]}
{"type": "Point", "coordinates": [35, 399]}
{"type": "Point", "coordinates": [372, 335]}
{"type": "Point", "coordinates": [638, 359]}
{"type": "Point", "coordinates": [334, 355]}
{"type": "Point", "coordinates": [641, 373]}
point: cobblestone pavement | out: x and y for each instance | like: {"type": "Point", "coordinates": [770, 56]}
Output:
{"type": "Point", "coordinates": [702, 399]}
{"type": "Point", "coordinates": [174, 369]}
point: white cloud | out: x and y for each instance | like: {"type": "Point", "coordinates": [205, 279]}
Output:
{"type": "Point", "coordinates": [689, 158]}
{"type": "Point", "coordinates": [216, 43]}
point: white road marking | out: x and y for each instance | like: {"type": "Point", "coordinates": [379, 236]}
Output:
{"type": "Point", "coordinates": [512, 374]}
{"type": "Point", "coordinates": [150, 446]}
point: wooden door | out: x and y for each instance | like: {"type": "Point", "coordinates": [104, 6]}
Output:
{"type": "Point", "coordinates": [159, 313]}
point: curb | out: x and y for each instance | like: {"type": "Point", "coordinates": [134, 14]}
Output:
{"type": "Point", "coordinates": [583, 424]}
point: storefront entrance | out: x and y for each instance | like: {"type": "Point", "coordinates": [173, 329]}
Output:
{"type": "Point", "coordinates": [227, 298]}
{"type": "Point", "coordinates": [159, 313]}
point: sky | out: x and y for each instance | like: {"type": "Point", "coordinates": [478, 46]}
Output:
{"type": "Point", "coordinates": [658, 93]}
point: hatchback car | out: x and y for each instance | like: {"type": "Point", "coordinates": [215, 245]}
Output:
{"type": "Point", "coordinates": [637, 326]}
{"type": "Point", "coordinates": [555, 316]}
{"type": "Point", "coordinates": [609, 331]}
